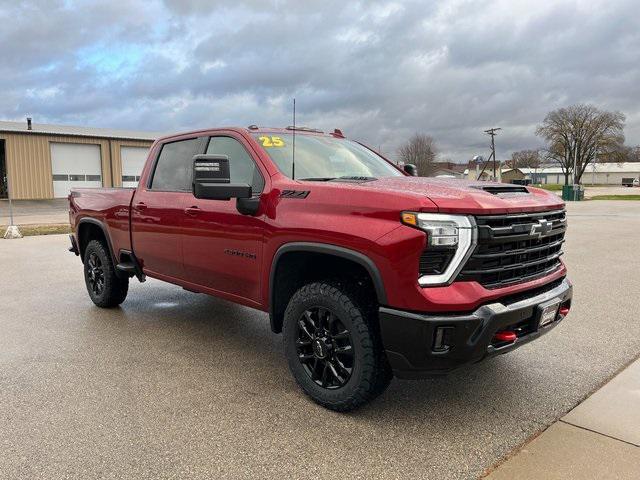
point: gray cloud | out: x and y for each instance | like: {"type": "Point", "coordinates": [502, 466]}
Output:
{"type": "Point", "coordinates": [378, 70]}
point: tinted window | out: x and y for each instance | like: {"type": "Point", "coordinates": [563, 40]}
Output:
{"type": "Point", "coordinates": [241, 166]}
{"type": "Point", "coordinates": [173, 169]}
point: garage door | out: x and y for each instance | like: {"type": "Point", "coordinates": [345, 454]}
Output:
{"type": "Point", "coordinates": [133, 159]}
{"type": "Point", "coordinates": [75, 165]}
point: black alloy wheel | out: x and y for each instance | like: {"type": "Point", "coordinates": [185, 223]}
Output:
{"type": "Point", "coordinates": [332, 343]}
{"type": "Point", "coordinates": [106, 289]}
{"type": "Point", "coordinates": [95, 274]}
{"type": "Point", "coordinates": [324, 348]}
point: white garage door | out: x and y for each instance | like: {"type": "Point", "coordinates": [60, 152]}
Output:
{"type": "Point", "coordinates": [133, 159]}
{"type": "Point", "coordinates": [75, 165]}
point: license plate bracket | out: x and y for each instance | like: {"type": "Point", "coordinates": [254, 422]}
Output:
{"type": "Point", "coordinates": [548, 312]}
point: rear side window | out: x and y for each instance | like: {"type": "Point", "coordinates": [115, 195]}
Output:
{"type": "Point", "coordinates": [242, 168]}
{"type": "Point", "coordinates": [173, 168]}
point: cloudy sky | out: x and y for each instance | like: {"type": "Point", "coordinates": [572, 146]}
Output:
{"type": "Point", "coordinates": [378, 70]}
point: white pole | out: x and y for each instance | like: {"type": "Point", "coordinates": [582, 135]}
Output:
{"type": "Point", "coordinates": [12, 231]}
{"type": "Point", "coordinates": [10, 203]}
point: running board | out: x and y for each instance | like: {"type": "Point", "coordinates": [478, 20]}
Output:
{"type": "Point", "coordinates": [131, 267]}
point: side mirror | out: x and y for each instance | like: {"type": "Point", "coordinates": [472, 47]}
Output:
{"type": "Point", "coordinates": [211, 179]}
{"type": "Point", "coordinates": [411, 169]}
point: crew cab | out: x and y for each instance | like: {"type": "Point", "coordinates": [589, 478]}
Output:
{"type": "Point", "coordinates": [366, 269]}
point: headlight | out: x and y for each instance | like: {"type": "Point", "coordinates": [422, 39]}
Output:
{"type": "Point", "coordinates": [445, 232]}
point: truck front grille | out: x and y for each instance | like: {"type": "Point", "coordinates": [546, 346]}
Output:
{"type": "Point", "coordinates": [515, 248]}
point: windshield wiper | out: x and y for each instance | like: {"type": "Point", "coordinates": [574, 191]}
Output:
{"type": "Point", "coordinates": [317, 179]}
{"type": "Point", "coordinates": [360, 178]}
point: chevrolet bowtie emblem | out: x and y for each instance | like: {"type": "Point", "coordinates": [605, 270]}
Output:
{"type": "Point", "coordinates": [541, 228]}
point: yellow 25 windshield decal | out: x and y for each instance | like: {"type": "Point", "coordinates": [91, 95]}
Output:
{"type": "Point", "coordinates": [271, 141]}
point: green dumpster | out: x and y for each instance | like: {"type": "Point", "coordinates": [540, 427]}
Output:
{"type": "Point", "coordinates": [572, 193]}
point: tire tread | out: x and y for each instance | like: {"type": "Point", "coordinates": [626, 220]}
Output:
{"type": "Point", "coordinates": [376, 372]}
{"type": "Point", "coordinates": [116, 288]}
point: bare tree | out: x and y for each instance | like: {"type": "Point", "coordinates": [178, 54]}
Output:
{"type": "Point", "coordinates": [584, 134]}
{"type": "Point", "coordinates": [630, 154]}
{"type": "Point", "coordinates": [419, 150]}
{"type": "Point", "coordinates": [525, 159]}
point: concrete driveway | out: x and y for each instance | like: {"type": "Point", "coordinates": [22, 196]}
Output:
{"type": "Point", "coordinates": [32, 212]}
{"type": "Point", "coordinates": [180, 385]}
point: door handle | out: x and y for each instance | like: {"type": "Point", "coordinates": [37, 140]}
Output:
{"type": "Point", "coordinates": [193, 211]}
{"type": "Point", "coordinates": [140, 206]}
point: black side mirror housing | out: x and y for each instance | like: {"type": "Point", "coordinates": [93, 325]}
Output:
{"type": "Point", "coordinates": [411, 169]}
{"type": "Point", "coordinates": [212, 180]}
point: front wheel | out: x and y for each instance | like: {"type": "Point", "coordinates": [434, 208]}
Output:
{"type": "Point", "coordinates": [333, 346]}
{"type": "Point", "coordinates": [105, 288]}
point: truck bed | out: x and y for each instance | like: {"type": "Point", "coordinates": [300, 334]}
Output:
{"type": "Point", "coordinates": [110, 206]}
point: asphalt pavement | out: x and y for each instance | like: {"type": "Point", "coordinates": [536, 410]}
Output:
{"type": "Point", "coordinates": [181, 385]}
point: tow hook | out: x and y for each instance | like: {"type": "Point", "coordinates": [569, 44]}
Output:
{"type": "Point", "coordinates": [504, 336]}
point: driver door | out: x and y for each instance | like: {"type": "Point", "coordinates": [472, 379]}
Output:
{"type": "Point", "coordinates": [222, 249]}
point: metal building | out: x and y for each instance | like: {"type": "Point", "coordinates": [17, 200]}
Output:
{"type": "Point", "coordinates": [595, 174]}
{"type": "Point", "coordinates": [45, 161]}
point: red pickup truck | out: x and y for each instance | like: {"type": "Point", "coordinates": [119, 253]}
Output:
{"type": "Point", "coordinates": [368, 270]}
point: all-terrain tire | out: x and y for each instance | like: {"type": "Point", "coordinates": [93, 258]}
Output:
{"type": "Point", "coordinates": [370, 373]}
{"type": "Point", "coordinates": [105, 287]}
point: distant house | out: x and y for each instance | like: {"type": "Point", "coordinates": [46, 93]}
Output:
{"type": "Point", "coordinates": [505, 175]}
{"type": "Point", "coordinates": [446, 169]}
{"type": "Point", "coordinates": [508, 175]}
{"type": "Point", "coordinates": [447, 173]}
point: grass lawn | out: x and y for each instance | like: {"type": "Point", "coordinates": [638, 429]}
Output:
{"type": "Point", "coordinates": [615, 197]}
{"type": "Point", "coordinates": [31, 230]}
{"type": "Point", "coordinates": [554, 187]}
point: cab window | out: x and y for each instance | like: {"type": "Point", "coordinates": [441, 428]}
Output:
{"type": "Point", "coordinates": [242, 168]}
{"type": "Point", "coordinates": [173, 168]}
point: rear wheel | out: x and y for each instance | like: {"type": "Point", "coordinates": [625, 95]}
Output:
{"type": "Point", "coordinates": [105, 288]}
{"type": "Point", "coordinates": [333, 346]}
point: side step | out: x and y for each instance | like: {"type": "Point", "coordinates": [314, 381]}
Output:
{"type": "Point", "coordinates": [131, 267]}
{"type": "Point", "coordinates": [127, 267]}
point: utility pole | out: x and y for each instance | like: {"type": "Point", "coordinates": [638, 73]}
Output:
{"type": "Point", "coordinates": [492, 132]}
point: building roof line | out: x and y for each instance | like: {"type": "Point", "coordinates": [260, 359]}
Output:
{"type": "Point", "coordinates": [75, 131]}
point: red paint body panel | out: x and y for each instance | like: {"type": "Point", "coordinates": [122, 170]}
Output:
{"type": "Point", "coordinates": [110, 206]}
{"type": "Point", "coordinates": [207, 246]}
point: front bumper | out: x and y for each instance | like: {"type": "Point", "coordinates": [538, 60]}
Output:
{"type": "Point", "coordinates": [419, 345]}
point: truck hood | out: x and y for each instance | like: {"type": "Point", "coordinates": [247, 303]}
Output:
{"type": "Point", "coordinates": [473, 197]}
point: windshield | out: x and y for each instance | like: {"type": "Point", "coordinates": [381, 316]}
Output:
{"type": "Point", "coordinates": [324, 158]}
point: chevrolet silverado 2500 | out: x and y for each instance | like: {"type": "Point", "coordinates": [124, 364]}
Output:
{"type": "Point", "coordinates": [367, 270]}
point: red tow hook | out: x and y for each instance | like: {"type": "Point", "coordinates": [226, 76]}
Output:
{"type": "Point", "coordinates": [504, 336]}
{"type": "Point", "coordinates": [564, 311]}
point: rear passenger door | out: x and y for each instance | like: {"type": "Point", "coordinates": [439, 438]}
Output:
{"type": "Point", "coordinates": [158, 209]}
{"type": "Point", "coordinates": [222, 248]}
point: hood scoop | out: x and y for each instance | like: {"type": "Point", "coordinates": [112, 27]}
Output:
{"type": "Point", "coordinates": [503, 190]}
